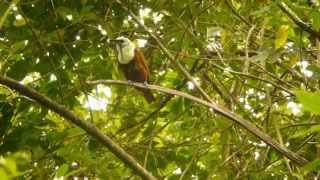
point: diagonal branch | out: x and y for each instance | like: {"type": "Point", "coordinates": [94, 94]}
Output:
{"type": "Point", "coordinates": [224, 112]}
{"type": "Point", "coordinates": [297, 20]}
{"type": "Point", "coordinates": [88, 127]}
{"type": "Point", "coordinates": [209, 103]}
{"type": "Point", "coordinates": [234, 11]}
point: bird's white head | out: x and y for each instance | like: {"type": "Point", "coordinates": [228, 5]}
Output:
{"type": "Point", "coordinates": [125, 49]}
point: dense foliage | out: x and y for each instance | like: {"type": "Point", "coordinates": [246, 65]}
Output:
{"type": "Point", "coordinates": [249, 56]}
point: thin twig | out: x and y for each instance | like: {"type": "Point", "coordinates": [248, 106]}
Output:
{"type": "Point", "coordinates": [280, 139]}
{"type": "Point", "coordinates": [193, 159]}
{"type": "Point", "coordinates": [318, 52]}
{"type": "Point", "coordinates": [255, 77]}
{"type": "Point", "coordinates": [247, 62]}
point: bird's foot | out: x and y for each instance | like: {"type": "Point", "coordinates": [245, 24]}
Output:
{"type": "Point", "coordinates": [130, 82]}
{"type": "Point", "coordinates": [145, 84]}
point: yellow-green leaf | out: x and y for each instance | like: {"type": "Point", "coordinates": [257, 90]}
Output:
{"type": "Point", "coordinates": [281, 36]}
{"type": "Point", "coordinates": [3, 175]}
{"type": "Point", "coordinates": [19, 22]}
{"type": "Point", "coordinates": [63, 169]}
{"type": "Point", "coordinates": [313, 166]}
{"type": "Point", "coordinates": [310, 101]}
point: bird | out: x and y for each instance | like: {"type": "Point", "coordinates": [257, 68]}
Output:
{"type": "Point", "coordinates": [132, 63]}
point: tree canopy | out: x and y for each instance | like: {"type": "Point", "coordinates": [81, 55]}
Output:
{"type": "Point", "coordinates": [236, 86]}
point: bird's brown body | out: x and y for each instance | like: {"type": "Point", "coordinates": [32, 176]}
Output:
{"type": "Point", "coordinates": [132, 63]}
{"type": "Point", "coordinates": [137, 71]}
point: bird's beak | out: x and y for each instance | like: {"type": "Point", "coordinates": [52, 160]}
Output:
{"type": "Point", "coordinates": [118, 46]}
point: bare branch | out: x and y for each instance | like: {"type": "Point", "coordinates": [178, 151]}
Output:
{"type": "Point", "coordinates": [234, 11]}
{"type": "Point", "coordinates": [221, 110]}
{"type": "Point", "coordinates": [297, 20]}
{"type": "Point", "coordinates": [277, 85]}
{"type": "Point", "coordinates": [86, 126]}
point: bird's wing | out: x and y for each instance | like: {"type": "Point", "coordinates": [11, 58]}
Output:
{"type": "Point", "coordinates": [142, 64]}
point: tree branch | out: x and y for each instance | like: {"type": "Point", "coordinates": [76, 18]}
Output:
{"type": "Point", "coordinates": [224, 112]}
{"type": "Point", "coordinates": [277, 85]}
{"type": "Point", "coordinates": [297, 20]}
{"type": "Point", "coordinates": [88, 127]}
{"type": "Point", "coordinates": [221, 110]}
{"type": "Point", "coordinates": [234, 11]}
{"type": "Point", "coordinates": [166, 51]}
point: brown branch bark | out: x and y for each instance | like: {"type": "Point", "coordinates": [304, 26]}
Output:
{"type": "Point", "coordinates": [277, 85]}
{"type": "Point", "coordinates": [88, 127]}
{"type": "Point", "coordinates": [297, 20]}
{"type": "Point", "coordinates": [234, 11]}
{"type": "Point", "coordinates": [226, 113]}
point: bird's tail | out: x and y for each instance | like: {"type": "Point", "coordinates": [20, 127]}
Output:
{"type": "Point", "coordinates": [148, 95]}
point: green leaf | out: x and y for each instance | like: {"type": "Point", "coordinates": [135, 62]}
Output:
{"type": "Point", "coordinates": [281, 36]}
{"type": "Point", "coordinates": [3, 174]}
{"type": "Point", "coordinates": [167, 134]}
{"type": "Point", "coordinates": [63, 169]}
{"type": "Point", "coordinates": [6, 113]}
{"type": "Point", "coordinates": [17, 46]}
{"type": "Point", "coordinates": [313, 166]}
{"type": "Point", "coordinates": [315, 19]}
{"type": "Point", "coordinates": [11, 166]}
{"type": "Point", "coordinates": [310, 100]}
{"type": "Point", "coordinates": [19, 69]}
{"type": "Point", "coordinates": [262, 56]}
{"type": "Point", "coordinates": [73, 132]}
{"type": "Point", "coordinates": [63, 11]}
{"type": "Point", "coordinates": [19, 22]}
{"type": "Point", "coordinates": [178, 106]}
{"type": "Point", "coordinates": [314, 129]}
